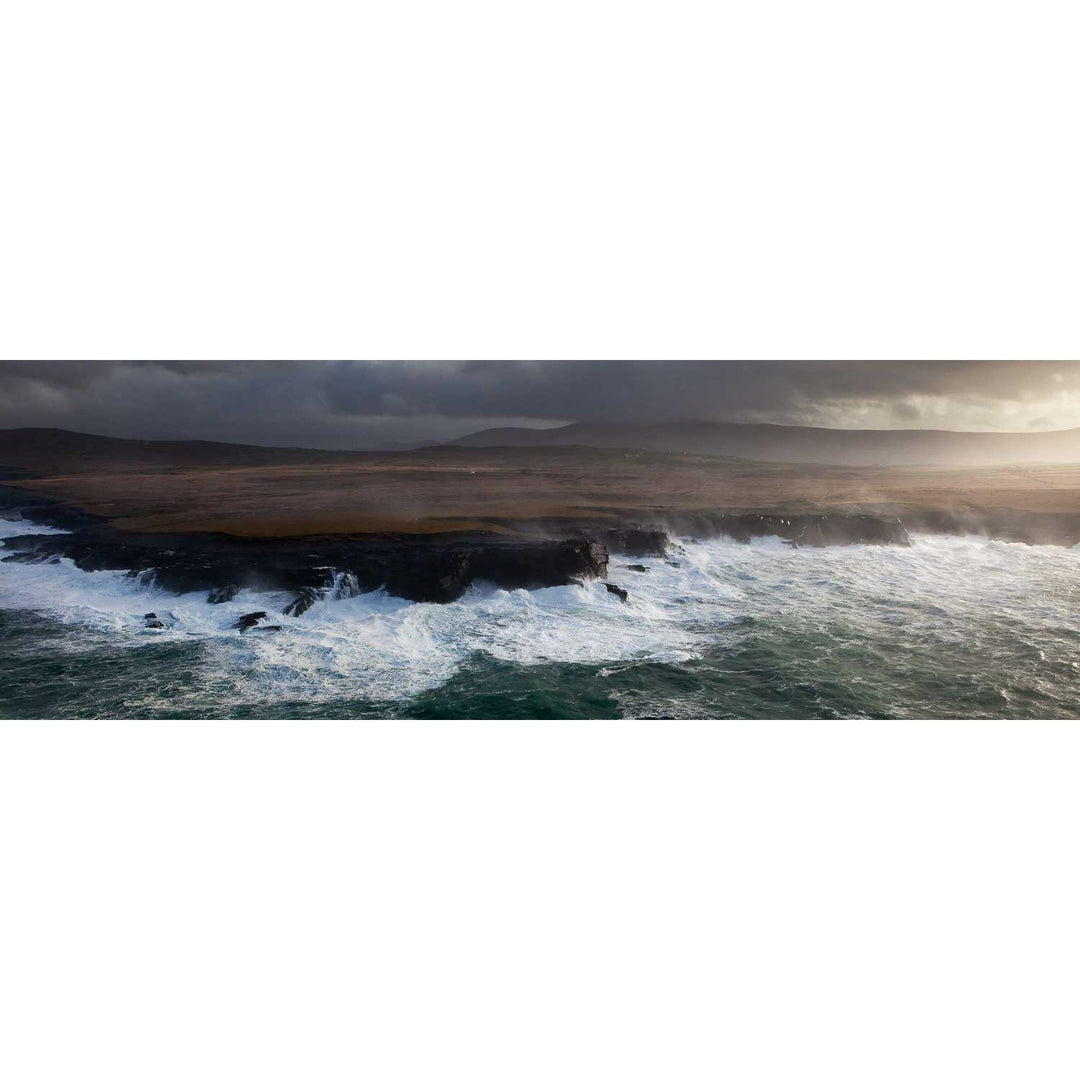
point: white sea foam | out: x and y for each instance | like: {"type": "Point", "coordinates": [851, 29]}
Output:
{"type": "Point", "coordinates": [18, 527]}
{"type": "Point", "coordinates": [942, 590]}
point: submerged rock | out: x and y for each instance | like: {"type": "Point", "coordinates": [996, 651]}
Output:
{"type": "Point", "coordinates": [246, 622]}
{"type": "Point", "coordinates": [622, 594]}
{"type": "Point", "coordinates": [223, 594]}
{"type": "Point", "coordinates": [32, 557]}
{"type": "Point", "coordinates": [343, 585]}
{"type": "Point", "coordinates": [302, 603]}
{"type": "Point", "coordinates": [265, 629]}
{"type": "Point", "coordinates": [152, 621]}
{"type": "Point", "coordinates": [638, 567]}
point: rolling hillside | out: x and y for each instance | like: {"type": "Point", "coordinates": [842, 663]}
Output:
{"type": "Point", "coordinates": [825, 446]}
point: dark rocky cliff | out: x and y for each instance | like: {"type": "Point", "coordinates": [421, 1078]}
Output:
{"type": "Point", "coordinates": [415, 570]}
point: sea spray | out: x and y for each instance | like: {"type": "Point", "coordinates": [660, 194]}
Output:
{"type": "Point", "coordinates": [950, 626]}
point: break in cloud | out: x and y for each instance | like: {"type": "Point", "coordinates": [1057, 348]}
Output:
{"type": "Point", "coordinates": [352, 405]}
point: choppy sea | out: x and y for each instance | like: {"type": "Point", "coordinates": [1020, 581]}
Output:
{"type": "Point", "coordinates": [950, 627]}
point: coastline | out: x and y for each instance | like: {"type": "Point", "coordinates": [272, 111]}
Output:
{"type": "Point", "coordinates": [431, 567]}
{"type": "Point", "coordinates": [424, 525]}
{"type": "Point", "coordinates": [438, 567]}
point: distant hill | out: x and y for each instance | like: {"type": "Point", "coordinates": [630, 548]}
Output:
{"type": "Point", "coordinates": [398, 446]}
{"type": "Point", "coordinates": [37, 452]}
{"type": "Point", "coordinates": [826, 446]}
{"type": "Point", "coordinates": [53, 450]}
{"type": "Point", "coordinates": [170, 486]}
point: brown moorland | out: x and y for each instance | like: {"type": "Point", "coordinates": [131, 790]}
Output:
{"type": "Point", "coordinates": [264, 492]}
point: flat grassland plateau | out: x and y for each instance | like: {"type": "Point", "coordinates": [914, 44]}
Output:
{"type": "Point", "coordinates": [248, 491]}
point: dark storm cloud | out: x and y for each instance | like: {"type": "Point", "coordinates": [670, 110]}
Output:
{"type": "Point", "coordinates": [344, 404]}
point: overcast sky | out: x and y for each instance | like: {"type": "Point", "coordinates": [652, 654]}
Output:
{"type": "Point", "coordinates": [344, 405]}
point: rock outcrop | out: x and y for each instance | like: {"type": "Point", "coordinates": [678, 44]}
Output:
{"type": "Point", "coordinates": [303, 602]}
{"type": "Point", "coordinates": [436, 570]}
{"type": "Point", "coordinates": [248, 621]}
{"type": "Point", "coordinates": [803, 530]}
{"type": "Point", "coordinates": [633, 542]}
{"type": "Point", "coordinates": [1016, 526]}
{"type": "Point", "coordinates": [31, 557]}
{"type": "Point", "coordinates": [622, 594]}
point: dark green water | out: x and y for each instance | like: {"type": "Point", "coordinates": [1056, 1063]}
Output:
{"type": "Point", "coordinates": [831, 638]}
{"type": "Point", "coordinates": [951, 627]}
{"type": "Point", "coordinates": [49, 669]}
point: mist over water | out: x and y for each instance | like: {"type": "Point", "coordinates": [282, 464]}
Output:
{"type": "Point", "coordinates": [952, 626]}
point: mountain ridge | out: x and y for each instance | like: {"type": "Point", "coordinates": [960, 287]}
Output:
{"type": "Point", "coordinates": [769, 443]}
{"type": "Point", "coordinates": [803, 445]}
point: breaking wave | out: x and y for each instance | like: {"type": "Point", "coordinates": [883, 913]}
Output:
{"type": "Point", "coordinates": [949, 626]}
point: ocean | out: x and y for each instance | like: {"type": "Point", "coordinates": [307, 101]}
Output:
{"type": "Point", "coordinates": [950, 627]}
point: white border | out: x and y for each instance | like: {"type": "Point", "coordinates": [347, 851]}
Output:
{"type": "Point", "coordinates": [534, 900]}
{"type": "Point", "coordinates": [421, 179]}
{"type": "Point", "coordinates": [593, 179]}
